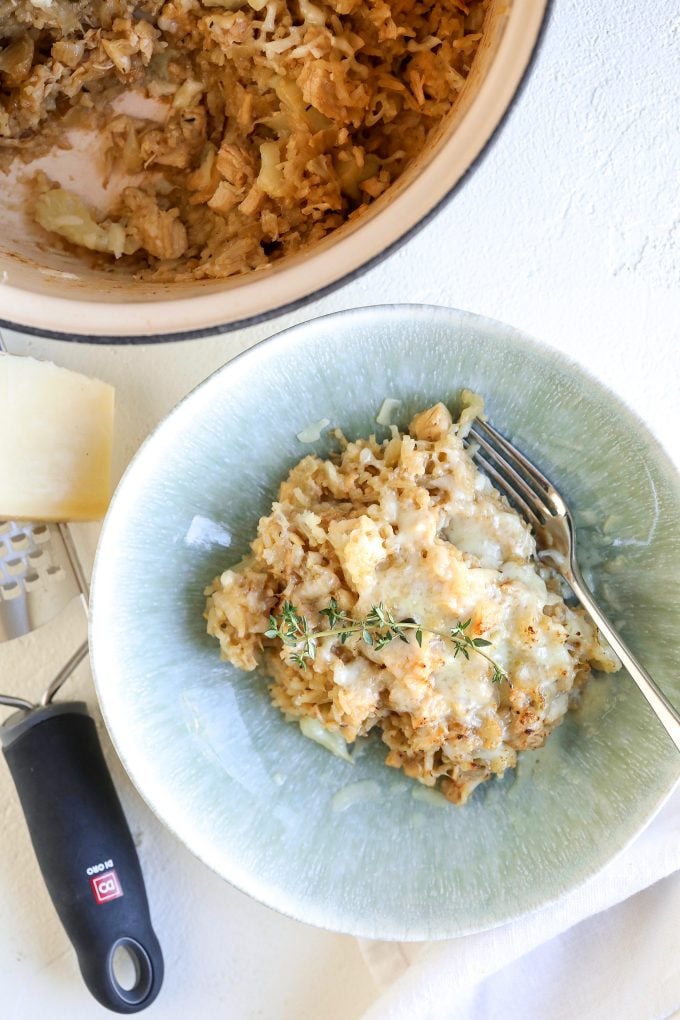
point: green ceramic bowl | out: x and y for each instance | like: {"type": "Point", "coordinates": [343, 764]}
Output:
{"type": "Point", "coordinates": [357, 848]}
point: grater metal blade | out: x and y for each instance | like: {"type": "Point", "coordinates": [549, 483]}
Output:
{"type": "Point", "coordinates": [37, 577]}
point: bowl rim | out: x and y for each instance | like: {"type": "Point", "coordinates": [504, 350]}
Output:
{"type": "Point", "coordinates": [514, 336]}
{"type": "Point", "coordinates": [70, 308]}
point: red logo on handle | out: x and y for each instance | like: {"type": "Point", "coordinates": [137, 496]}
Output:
{"type": "Point", "coordinates": [106, 887]}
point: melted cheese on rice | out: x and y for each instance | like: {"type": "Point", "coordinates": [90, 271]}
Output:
{"type": "Point", "coordinates": [411, 523]}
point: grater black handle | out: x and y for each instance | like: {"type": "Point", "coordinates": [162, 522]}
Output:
{"type": "Point", "coordinates": [85, 850]}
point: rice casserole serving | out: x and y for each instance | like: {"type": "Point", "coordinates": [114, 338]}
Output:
{"type": "Point", "coordinates": [393, 588]}
{"type": "Point", "coordinates": [263, 126]}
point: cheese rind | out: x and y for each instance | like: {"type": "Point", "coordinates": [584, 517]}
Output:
{"type": "Point", "coordinates": [56, 429]}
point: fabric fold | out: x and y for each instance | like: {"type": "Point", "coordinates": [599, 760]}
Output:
{"type": "Point", "coordinates": [434, 980]}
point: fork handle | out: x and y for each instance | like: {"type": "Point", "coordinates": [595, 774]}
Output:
{"type": "Point", "coordinates": [668, 716]}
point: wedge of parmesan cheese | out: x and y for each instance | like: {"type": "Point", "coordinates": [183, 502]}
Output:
{"type": "Point", "coordinates": [56, 430]}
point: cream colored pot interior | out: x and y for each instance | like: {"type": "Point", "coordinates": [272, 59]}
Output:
{"type": "Point", "coordinates": [44, 289]}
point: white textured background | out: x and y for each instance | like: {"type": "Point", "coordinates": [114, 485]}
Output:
{"type": "Point", "coordinates": [569, 229]}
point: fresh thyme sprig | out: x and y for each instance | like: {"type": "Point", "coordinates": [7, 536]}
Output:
{"type": "Point", "coordinates": [377, 629]}
{"type": "Point", "coordinates": [464, 644]}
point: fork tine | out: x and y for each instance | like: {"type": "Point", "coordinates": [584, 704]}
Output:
{"type": "Point", "coordinates": [503, 484]}
{"type": "Point", "coordinates": [517, 455]}
{"type": "Point", "coordinates": [520, 483]}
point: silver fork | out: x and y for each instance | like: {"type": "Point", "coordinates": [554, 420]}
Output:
{"type": "Point", "coordinates": [546, 510]}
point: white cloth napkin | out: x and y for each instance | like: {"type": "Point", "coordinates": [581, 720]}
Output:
{"type": "Point", "coordinates": [610, 949]}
